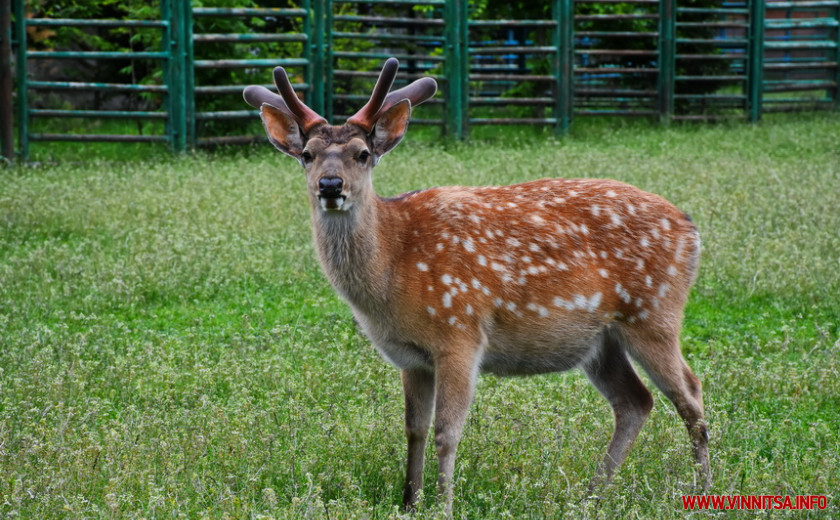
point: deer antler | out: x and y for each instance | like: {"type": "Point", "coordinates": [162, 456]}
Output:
{"type": "Point", "coordinates": [287, 102]}
{"type": "Point", "coordinates": [380, 100]}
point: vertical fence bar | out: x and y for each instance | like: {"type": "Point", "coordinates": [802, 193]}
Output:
{"type": "Point", "coordinates": [562, 68]}
{"type": "Point", "coordinates": [189, 78]}
{"type": "Point", "coordinates": [463, 75]}
{"type": "Point", "coordinates": [177, 66]}
{"type": "Point", "coordinates": [837, 58]}
{"type": "Point", "coordinates": [667, 59]}
{"type": "Point", "coordinates": [315, 41]}
{"type": "Point", "coordinates": [166, 46]}
{"type": "Point", "coordinates": [329, 65]}
{"type": "Point", "coordinates": [755, 74]}
{"type": "Point", "coordinates": [7, 140]}
{"type": "Point", "coordinates": [20, 75]}
{"type": "Point", "coordinates": [454, 70]}
{"type": "Point", "coordinates": [306, 27]}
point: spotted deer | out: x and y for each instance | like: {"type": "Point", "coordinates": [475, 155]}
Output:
{"type": "Point", "coordinates": [532, 278]}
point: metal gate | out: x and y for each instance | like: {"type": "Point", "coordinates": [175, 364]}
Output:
{"type": "Point", "coordinates": [647, 58]}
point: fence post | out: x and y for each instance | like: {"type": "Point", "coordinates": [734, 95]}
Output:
{"type": "Point", "coordinates": [20, 75]}
{"type": "Point", "coordinates": [667, 59]}
{"type": "Point", "coordinates": [315, 43]}
{"type": "Point", "coordinates": [191, 138]}
{"type": "Point", "coordinates": [7, 141]}
{"type": "Point", "coordinates": [176, 47]}
{"type": "Point", "coordinates": [563, 64]}
{"type": "Point", "coordinates": [328, 65]}
{"type": "Point", "coordinates": [755, 81]}
{"type": "Point", "coordinates": [454, 68]}
{"type": "Point", "coordinates": [837, 59]}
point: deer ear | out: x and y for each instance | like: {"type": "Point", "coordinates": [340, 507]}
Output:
{"type": "Point", "coordinates": [390, 127]}
{"type": "Point", "coordinates": [282, 130]}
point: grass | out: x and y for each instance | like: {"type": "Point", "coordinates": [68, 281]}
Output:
{"type": "Point", "coordinates": [170, 349]}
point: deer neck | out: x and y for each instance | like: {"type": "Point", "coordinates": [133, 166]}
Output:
{"type": "Point", "coordinates": [353, 248]}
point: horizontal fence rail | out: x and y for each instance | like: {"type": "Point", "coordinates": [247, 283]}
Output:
{"type": "Point", "coordinates": [660, 59]}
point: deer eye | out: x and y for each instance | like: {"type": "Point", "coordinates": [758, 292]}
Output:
{"type": "Point", "coordinates": [364, 155]}
{"type": "Point", "coordinates": [306, 156]}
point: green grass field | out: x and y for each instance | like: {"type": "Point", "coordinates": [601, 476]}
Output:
{"type": "Point", "coordinates": [170, 349]}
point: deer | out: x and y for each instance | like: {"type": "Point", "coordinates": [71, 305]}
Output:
{"type": "Point", "coordinates": [449, 282]}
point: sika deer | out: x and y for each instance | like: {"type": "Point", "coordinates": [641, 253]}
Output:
{"type": "Point", "coordinates": [538, 277]}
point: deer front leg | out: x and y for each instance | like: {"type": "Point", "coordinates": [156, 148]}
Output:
{"type": "Point", "coordinates": [419, 390]}
{"type": "Point", "coordinates": [455, 376]}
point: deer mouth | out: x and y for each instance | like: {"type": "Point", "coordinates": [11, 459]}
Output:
{"type": "Point", "coordinates": [337, 203]}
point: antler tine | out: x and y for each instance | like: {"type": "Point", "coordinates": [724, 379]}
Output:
{"type": "Point", "coordinates": [257, 96]}
{"type": "Point", "coordinates": [287, 102]}
{"type": "Point", "coordinates": [365, 117]}
{"type": "Point", "coordinates": [306, 117]}
{"type": "Point", "coordinates": [416, 92]}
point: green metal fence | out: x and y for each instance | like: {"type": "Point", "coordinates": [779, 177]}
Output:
{"type": "Point", "coordinates": [636, 58]}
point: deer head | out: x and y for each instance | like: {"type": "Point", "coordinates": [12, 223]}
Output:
{"type": "Point", "coordinates": [338, 159]}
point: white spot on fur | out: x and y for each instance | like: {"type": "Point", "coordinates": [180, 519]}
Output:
{"type": "Point", "coordinates": [622, 293]}
{"type": "Point", "coordinates": [595, 301]}
{"type": "Point", "coordinates": [469, 310]}
{"type": "Point", "coordinates": [446, 279]}
{"type": "Point", "coordinates": [431, 311]}
{"type": "Point", "coordinates": [447, 300]}
{"type": "Point", "coordinates": [563, 304]}
{"type": "Point", "coordinates": [603, 273]}
{"type": "Point", "coordinates": [482, 260]}
{"type": "Point", "coordinates": [672, 270]}
{"type": "Point", "coordinates": [469, 245]}
{"type": "Point", "coordinates": [422, 266]}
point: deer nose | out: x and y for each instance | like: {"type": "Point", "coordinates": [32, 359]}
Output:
{"type": "Point", "coordinates": [330, 187]}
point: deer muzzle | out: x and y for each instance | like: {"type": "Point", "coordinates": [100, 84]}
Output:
{"type": "Point", "coordinates": [330, 193]}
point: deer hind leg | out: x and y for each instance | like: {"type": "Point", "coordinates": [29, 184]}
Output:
{"type": "Point", "coordinates": [612, 374]}
{"type": "Point", "coordinates": [419, 390]}
{"type": "Point", "coordinates": [659, 354]}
